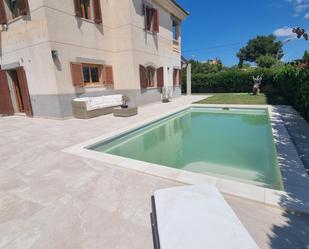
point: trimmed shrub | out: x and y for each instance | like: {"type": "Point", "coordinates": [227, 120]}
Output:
{"type": "Point", "coordinates": [233, 80]}
{"type": "Point", "coordinates": [293, 83]}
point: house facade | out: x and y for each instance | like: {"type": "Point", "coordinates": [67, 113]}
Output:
{"type": "Point", "coordinates": [53, 51]}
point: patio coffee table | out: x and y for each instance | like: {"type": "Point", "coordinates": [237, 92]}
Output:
{"type": "Point", "coordinates": [125, 112]}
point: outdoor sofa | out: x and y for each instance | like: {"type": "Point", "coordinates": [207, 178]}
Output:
{"type": "Point", "coordinates": [196, 217]}
{"type": "Point", "coordinates": [90, 107]}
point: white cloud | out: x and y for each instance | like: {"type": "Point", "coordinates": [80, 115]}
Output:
{"type": "Point", "coordinates": [300, 6]}
{"type": "Point", "coordinates": [307, 16]}
{"type": "Point", "coordinates": [298, 2]}
{"type": "Point", "coordinates": [285, 32]}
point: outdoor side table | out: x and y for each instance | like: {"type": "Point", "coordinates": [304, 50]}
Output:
{"type": "Point", "coordinates": [125, 112]}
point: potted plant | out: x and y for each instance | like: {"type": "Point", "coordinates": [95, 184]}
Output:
{"type": "Point", "coordinates": [125, 100]}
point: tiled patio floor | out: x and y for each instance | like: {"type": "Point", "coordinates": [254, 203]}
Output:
{"type": "Point", "coordinates": [50, 199]}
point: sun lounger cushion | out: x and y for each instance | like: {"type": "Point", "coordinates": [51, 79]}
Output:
{"type": "Point", "coordinates": [95, 103]}
{"type": "Point", "coordinates": [198, 217]}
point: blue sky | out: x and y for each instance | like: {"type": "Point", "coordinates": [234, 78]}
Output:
{"type": "Point", "coordinates": [218, 29]}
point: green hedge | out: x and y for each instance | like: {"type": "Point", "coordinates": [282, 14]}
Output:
{"type": "Point", "coordinates": [228, 81]}
{"type": "Point", "coordinates": [293, 83]}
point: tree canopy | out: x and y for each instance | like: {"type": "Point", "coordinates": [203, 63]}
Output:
{"type": "Point", "coordinates": [260, 46]}
{"type": "Point", "coordinates": [205, 67]}
{"type": "Point", "coordinates": [266, 61]}
{"type": "Point", "coordinates": [300, 32]}
{"type": "Point", "coordinates": [306, 56]}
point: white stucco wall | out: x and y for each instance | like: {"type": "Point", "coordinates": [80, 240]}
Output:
{"type": "Point", "coordinates": [154, 48]}
{"type": "Point", "coordinates": [26, 42]}
{"type": "Point", "coordinates": [120, 41]}
{"type": "Point", "coordinates": [110, 43]}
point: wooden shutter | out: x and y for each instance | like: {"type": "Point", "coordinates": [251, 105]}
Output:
{"type": "Point", "coordinates": [78, 9]}
{"type": "Point", "coordinates": [22, 80]}
{"type": "Point", "coordinates": [160, 77]}
{"type": "Point", "coordinates": [24, 7]}
{"type": "Point", "coordinates": [155, 21]}
{"type": "Point", "coordinates": [180, 76]}
{"type": "Point", "coordinates": [97, 11]}
{"type": "Point", "coordinates": [142, 76]}
{"type": "Point", "coordinates": [77, 74]}
{"type": "Point", "coordinates": [6, 105]}
{"type": "Point", "coordinates": [3, 18]}
{"type": "Point", "coordinates": [108, 75]}
{"type": "Point", "coordinates": [175, 72]}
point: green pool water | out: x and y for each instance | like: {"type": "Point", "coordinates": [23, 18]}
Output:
{"type": "Point", "coordinates": [235, 144]}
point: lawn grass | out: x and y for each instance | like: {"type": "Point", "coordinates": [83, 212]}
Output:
{"type": "Point", "coordinates": [244, 98]}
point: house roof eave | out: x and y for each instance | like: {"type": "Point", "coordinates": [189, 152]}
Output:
{"type": "Point", "coordinates": [174, 8]}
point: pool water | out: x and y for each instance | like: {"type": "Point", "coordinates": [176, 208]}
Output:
{"type": "Point", "coordinates": [234, 143]}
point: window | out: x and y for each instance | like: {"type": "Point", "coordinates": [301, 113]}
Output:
{"type": "Point", "coordinates": [89, 9]}
{"type": "Point", "coordinates": [176, 34]}
{"type": "Point", "coordinates": [85, 9]}
{"type": "Point", "coordinates": [92, 75]}
{"type": "Point", "coordinates": [151, 19]}
{"type": "Point", "coordinates": [150, 76]}
{"type": "Point", "coordinates": [175, 30]}
{"type": "Point", "coordinates": [15, 8]}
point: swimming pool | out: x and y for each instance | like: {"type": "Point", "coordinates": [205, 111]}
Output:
{"type": "Point", "coordinates": [230, 143]}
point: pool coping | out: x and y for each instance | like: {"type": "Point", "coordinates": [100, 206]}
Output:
{"type": "Point", "coordinates": [294, 176]}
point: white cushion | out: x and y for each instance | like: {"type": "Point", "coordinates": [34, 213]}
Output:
{"type": "Point", "coordinates": [101, 106]}
{"type": "Point", "coordinates": [94, 103]}
{"type": "Point", "coordinates": [198, 217]}
{"type": "Point", "coordinates": [82, 99]}
{"type": "Point", "coordinates": [96, 100]}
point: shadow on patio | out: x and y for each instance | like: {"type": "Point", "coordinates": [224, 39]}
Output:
{"type": "Point", "coordinates": [294, 230]}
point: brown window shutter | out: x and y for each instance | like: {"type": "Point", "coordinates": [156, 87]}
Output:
{"type": "Point", "coordinates": [155, 21]}
{"type": "Point", "coordinates": [24, 7]}
{"type": "Point", "coordinates": [77, 74]}
{"type": "Point", "coordinates": [175, 72]}
{"type": "Point", "coordinates": [180, 76]}
{"type": "Point", "coordinates": [78, 9]}
{"type": "Point", "coordinates": [97, 11]}
{"type": "Point", "coordinates": [6, 106]}
{"type": "Point", "coordinates": [142, 75]}
{"type": "Point", "coordinates": [160, 77]}
{"type": "Point", "coordinates": [3, 19]}
{"type": "Point", "coordinates": [108, 75]}
{"type": "Point", "coordinates": [22, 79]}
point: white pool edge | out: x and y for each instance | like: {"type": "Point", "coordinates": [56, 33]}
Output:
{"type": "Point", "coordinates": [294, 176]}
